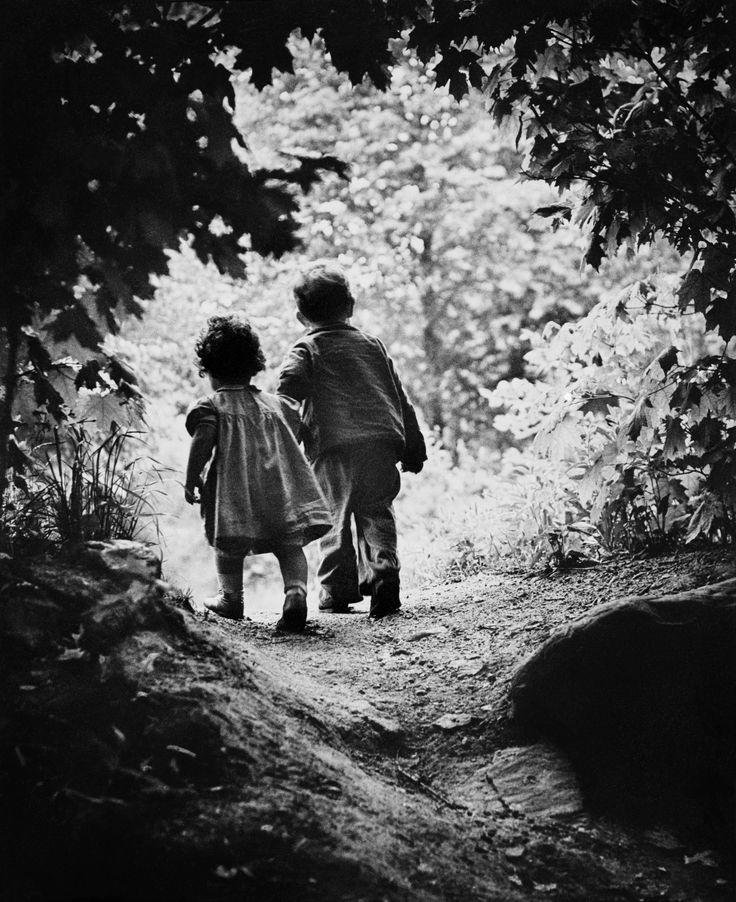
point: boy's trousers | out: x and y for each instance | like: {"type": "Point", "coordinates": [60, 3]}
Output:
{"type": "Point", "coordinates": [359, 481]}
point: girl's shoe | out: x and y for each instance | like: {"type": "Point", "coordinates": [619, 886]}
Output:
{"type": "Point", "coordinates": [228, 606]}
{"type": "Point", "coordinates": [294, 614]}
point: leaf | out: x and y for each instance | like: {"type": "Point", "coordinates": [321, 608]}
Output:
{"type": "Point", "coordinates": [639, 418]}
{"type": "Point", "coordinates": [311, 167]}
{"type": "Point", "coordinates": [722, 314]}
{"type": "Point", "coordinates": [476, 75]}
{"type": "Point", "coordinates": [18, 459]}
{"type": "Point", "coordinates": [560, 210]}
{"type": "Point", "coordinates": [706, 434]}
{"type": "Point", "coordinates": [37, 353]}
{"type": "Point", "coordinates": [561, 440]}
{"type": "Point", "coordinates": [108, 410]}
{"type": "Point", "coordinates": [448, 70]}
{"type": "Point", "coordinates": [594, 254]}
{"type": "Point", "coordinates": [75, 322]}
{"type": "Point", "coordinates": [228, 260]}
{"type": "Point", "coordinates": [701, 522]}
{"type": "Point", "coordinates": [694, 289]}
{"type": "Point", "coordinates": [89, 376]}
{"type": "Point", "coordinates": [675, 439]}
{"type": "Point", "coordinates": [47, 396]}
{"type": "Point", "coordinates": [686, 396]}
{"type": "Point", "coordinates": [599, 403]}
{"type": "Point", "coordinates": [667, 359]}
{"type": "Point", "coordinates": [120, 372]}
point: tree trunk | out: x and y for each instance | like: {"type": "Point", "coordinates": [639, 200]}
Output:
{"type": "Point", "coordinates": [9, 385]}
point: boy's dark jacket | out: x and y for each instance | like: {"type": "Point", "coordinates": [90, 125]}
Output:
{"type": "Point", "coordinates": [351, 393]}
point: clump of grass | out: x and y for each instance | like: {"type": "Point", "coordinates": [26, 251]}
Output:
{"type": "Point", "coordinates": [181, 598]}
{"type": "Point", "coordinates": [82, 488]}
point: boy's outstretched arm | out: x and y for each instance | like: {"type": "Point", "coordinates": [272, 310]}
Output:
{"type": "Point", "coordinates": [200, 450]}
{"type": "Point", "coordinates": [295, 376]}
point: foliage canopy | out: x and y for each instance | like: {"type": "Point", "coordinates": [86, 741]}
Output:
{"type": "Point", "coordinates": [120, 136]}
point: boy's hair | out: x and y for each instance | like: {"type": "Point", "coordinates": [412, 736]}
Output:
{"type": "Point", "coordinates": [323, 293]}
{"type": "Point", "coordinates": [228, 348]}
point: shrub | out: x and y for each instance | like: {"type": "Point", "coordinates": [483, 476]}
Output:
{"type": "Point", "coordinates": [634, 407]}
{"type": "Point", "coordinates": [79, 487]}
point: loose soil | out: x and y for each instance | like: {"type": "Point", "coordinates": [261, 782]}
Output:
{"type": "Point", "coordinates": [226, 761]}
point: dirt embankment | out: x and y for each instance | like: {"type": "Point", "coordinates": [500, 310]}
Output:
{"type": "Point", "coordinates": [148, 752]}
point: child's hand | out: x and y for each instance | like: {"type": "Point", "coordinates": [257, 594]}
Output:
{"type": "Point", "coordinates": [415, 453]}
{"type": "Point", "coordinates": [412, 465]}
{"type": "Point", "coordinates": [192, 495]}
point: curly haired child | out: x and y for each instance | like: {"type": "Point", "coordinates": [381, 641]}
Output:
{"type": "Point", "coordinates": [357, 424]}
{"type": "Point", "coordinates": [256, 490]}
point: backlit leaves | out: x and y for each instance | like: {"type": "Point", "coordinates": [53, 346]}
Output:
{"type": "Point", "coordinates": [660, 464]}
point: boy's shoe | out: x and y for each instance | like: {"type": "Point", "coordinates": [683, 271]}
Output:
{"type": "Point", "coordinates": [294, 614]}
{"type": "Point", "coordinates": [384, 598]}
{"type": "Point", "coordinates": [228, 606]}
{"type": "Point", "coordinates": [330, 605]}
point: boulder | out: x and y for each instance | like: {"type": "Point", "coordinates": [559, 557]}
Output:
{"type": "Point", "coordinates": [123, 558]}
{"type": "Point", "coordinates": [641, 694]}
{"type": "Point", "coordinates": [110, 589]}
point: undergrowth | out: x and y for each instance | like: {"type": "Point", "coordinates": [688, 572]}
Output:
{"type": "Point", "coordinates": [626, 431]}
{"type": "Point", "coordinates": [80, 486]}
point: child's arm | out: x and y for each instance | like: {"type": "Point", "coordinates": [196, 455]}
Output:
{"type": "Point", "coordinates": [200, 450]}
{"type": "Point", "coordinates": [295, 377]}
{"type": "Point", "coordinates": [415, 452]}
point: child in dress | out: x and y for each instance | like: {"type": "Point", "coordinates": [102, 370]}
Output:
{"type": "Point", "coordinates": [256, 490]}
{"type": "Point", "coordinates": [357, 424]}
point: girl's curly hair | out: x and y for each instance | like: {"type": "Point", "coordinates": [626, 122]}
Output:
{"type": "Point", "coordinates": [228, 348]}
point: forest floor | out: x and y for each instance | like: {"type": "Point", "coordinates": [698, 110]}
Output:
{"type": "Point", "coordinates": [359, 760]}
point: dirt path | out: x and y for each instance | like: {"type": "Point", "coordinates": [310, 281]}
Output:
{"type": "Point", "coordinates": [434, 680]}
{"type": "Point", "coordinates": [148, 751]}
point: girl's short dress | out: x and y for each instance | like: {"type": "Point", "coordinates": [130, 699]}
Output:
{"type": "Point", "coordinates": [259, 491]}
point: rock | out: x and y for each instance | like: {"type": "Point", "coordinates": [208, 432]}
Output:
{"type": "Point", "coordinates": [535, 780]}
{"type": "Point", "coordinates": [123, 558]}
{"type": "Point", "coordinates": [467, 667]}
{"type": "Point", "coordinates": [449, 722]}
{"type": "Point", "coordinates": [387, 727]}
{"type": "Point", "coordinates": [640, 693]}
{"type": "Point", "coordinates": [425, 634]}
{"type": "Point", "coordinates": [42, 605]}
